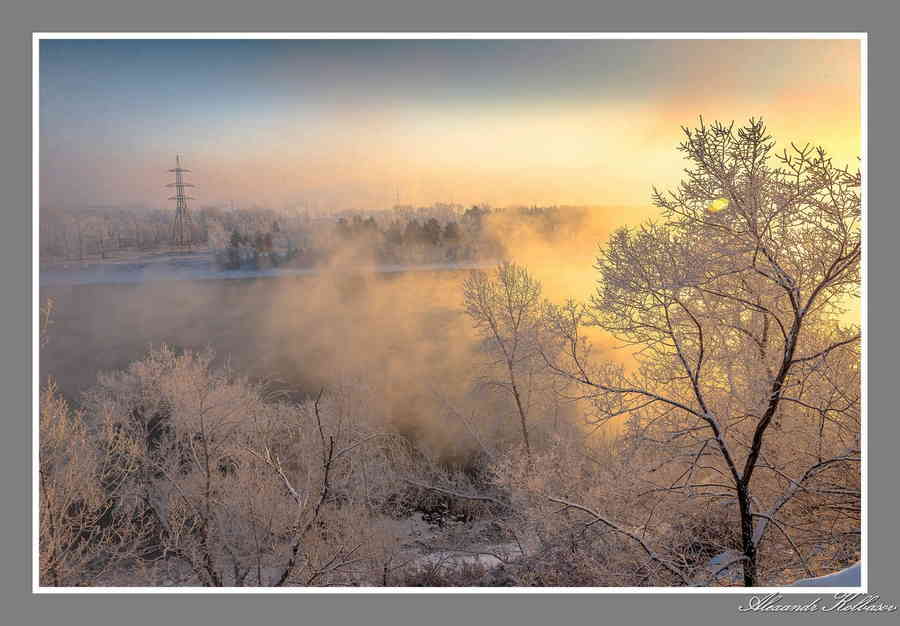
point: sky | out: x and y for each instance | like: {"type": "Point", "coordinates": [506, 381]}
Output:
{"type": "Point", "coordinates": [343, 124]}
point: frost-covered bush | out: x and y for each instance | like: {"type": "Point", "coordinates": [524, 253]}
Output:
{"type": "Point", "coordinates": [243, 488]}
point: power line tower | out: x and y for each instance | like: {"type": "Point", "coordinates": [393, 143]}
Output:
{"type": "Point", "coordinates": [182, 227]}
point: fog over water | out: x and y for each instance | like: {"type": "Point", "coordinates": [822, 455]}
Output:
{"type": "Point", "coordinates": [301, 328]}
{"type": "Point", "coordinates": [397, 334]}
{"type": "Point", "coordinates": [399, 339]}
{"type": "Point", "coordinates": [298, 331]}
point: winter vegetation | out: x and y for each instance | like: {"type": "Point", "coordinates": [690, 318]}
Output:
{"type": "Point", "coordinates": [725, 451]}
{"type": "Point", "coordinates": [258, 238]}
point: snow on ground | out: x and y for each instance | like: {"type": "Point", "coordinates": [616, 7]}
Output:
{"type": "Point", "coordinates": [850, 577]}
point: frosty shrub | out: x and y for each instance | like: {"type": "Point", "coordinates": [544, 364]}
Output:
{"type": "Point", "coordinates": [84, 524]}
{"type": "Point", "coordinates": [242, 488]}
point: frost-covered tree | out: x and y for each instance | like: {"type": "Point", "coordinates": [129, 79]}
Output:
{"type": "Point", "coordinates": [216, 235]}
{"type": "Point", "coordinates": [506, 309]}
{"type": "Point", "coordinates": [240, 489]}
{"type": "Point", "coordinates": [84, 530]}
{"type": "Point", "coordinates": [747, 390]}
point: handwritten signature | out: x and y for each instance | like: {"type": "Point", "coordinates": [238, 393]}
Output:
{"type": "Point", "coordinates": [840, 603]}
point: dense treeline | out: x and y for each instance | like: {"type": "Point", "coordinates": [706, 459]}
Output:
{"type": "Point", "coordinates": [403, 235]}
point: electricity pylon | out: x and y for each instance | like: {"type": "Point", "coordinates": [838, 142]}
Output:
{"type": "Point", "coordinates": [182, 227]}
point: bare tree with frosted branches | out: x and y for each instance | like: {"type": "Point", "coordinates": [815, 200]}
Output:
{"type": "Point", "coordinates": [506, 309]}
{"type": "Point", "coordinates": [84, 530]}
{"type": "Point", "coordinates": [241, 489]}
{"type": "Point", "coordinates": [748, 384]}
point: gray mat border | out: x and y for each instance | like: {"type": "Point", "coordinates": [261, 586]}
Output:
{"type": "Point", "coordinates": [19, 606]}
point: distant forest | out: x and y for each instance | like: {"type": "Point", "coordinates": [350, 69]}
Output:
{"type": "Point", "coordinates": [439, 233]}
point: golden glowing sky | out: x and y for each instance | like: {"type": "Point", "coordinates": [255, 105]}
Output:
{"type": "Point", "coordinates": [350, 124]}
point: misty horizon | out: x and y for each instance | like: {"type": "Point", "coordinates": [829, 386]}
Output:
{"type": "Point", "coordinates": [352, 124]}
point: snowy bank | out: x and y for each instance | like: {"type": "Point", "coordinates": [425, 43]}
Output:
{"type": "Point", "coordinates": [849, 577]}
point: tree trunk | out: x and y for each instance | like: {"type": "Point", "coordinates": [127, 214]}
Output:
{"type": "Point", "coordinates": [748, 546]}
{"type": "Point", "coordinates": [522, 418]}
